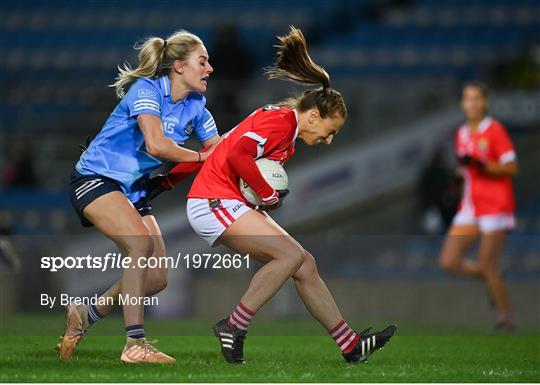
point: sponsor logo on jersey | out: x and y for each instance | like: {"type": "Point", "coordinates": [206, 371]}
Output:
{"type": "Point", "coordinates": [172, 119]}
{"type": "Point", "coordinates": [147, 93]}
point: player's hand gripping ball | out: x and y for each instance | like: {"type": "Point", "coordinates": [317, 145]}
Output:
{"type": "Point", "coordinates": [273, 173]}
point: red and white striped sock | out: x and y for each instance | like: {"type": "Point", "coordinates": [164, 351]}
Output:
{"type": "Point", "coordinates": [241, 317]}
{"type": "Point", "coordinates": [345, 337]}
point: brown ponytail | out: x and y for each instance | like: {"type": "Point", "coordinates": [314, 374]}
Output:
{"type": "Point", "coordinates": [294, 63]}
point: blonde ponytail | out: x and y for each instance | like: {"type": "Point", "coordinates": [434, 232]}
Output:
{"type": "Point", "coordinates": [156, 58]}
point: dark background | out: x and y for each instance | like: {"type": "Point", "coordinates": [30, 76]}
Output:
{"type": "Point", "coordinates": [399, 65]}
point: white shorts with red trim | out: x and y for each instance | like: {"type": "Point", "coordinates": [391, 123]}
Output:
{"type": "Point", "coordinates": [211, 217]}
{"type": "Point", "coordinates": [485, 223]}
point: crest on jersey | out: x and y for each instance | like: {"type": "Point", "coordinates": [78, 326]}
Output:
{"type": "Point", "coordinates": [189, 128]}
{"type": "Point", "coordinates": [483, 144]}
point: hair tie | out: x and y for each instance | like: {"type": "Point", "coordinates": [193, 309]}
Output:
{"type": "Point", "coordinates": [159, 69]}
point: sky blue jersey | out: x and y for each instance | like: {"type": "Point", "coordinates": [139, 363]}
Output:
{"type": "Point", "coordinates": [119, 151]}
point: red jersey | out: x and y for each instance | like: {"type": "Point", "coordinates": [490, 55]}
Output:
{"type": "Point", "coordinates": [274, 129]}
{"type": "Point", "coordinates": [483, 194]}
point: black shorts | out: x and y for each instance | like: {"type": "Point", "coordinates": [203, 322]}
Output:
{"type": "Point", "coordinates": [84, 189]}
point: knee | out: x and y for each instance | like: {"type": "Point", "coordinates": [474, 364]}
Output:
{"type": "Point", "coordinates": [139, 246]}
{"type": "Point", "coordinates": [448, 264]}
{"type": "Point", "coordinates": [487, 270]}
{"type": "Point", "coordinates": [308, 270]}
{"type": "Point", "coordinates": [156, 283]}
{"type": "Point", "coordinates": [299, 259]}
{"type": "Point", "coordinates": [294, 259]}
{"type": "Point", "coordinates": [159, 247]}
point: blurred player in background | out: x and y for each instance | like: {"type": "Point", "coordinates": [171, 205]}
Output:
{"type": "Point", "coordinates": [108, 189]}
{"type": "Point", "coordinates": [219, 213]}
{"type": "Point", "coordinates": [487, 164]}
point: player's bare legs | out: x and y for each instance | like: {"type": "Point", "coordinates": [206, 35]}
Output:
{"type": "Point", "coordinates": [313, 291]}
{"type": "Point", "coordinates": [156, 278]}
{"type": "Point", "coordinates": [256, 234]}
{"type": "Point", "coordinates": [115, 216]}
{"type": "Point", "coordinates": [309, 285]}
{"type": "Point", "coordinates": [491, 245]}
{"type": "Point", "coordinates": [315, 294]}
{"type": "Point", "coordinates": [458, 241]}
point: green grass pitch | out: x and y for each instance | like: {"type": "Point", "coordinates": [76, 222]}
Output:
{"type": "Point", "coordinates": [275, 351]}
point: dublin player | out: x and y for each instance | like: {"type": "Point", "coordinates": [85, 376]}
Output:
{"type": "Point", "coordinates": [108, 189]}
{"type": "Point", "coordinates": [219, 213]}
{"type": "Point", "coordinates": [488, 163]}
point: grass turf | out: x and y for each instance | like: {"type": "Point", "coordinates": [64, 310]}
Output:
{"type": "Point", "coordinates": [285, 358]}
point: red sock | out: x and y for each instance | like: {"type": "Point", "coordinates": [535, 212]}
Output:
{"type": "Point", "coordinates": [241, 317]}
{"type": "Point", "coordinates": [345, 337]}
{"type": "Point", "coordinates": [504, 315]}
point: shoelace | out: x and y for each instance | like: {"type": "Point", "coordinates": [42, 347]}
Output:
{"type": "Point", "coordinates": [149, 348]}
{"type": "Point", "coordinates": [79, 331]}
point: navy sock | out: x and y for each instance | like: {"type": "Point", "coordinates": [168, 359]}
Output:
{"type": "Point", "coordinates": [93, 314]}
{"type": "Point", "coordinates": [135, 331]}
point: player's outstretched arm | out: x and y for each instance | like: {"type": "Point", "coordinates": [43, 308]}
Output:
{"type": "Point", "coordinates": [160, 182]}
{"type": "Point", "coordinates": [209, 146]}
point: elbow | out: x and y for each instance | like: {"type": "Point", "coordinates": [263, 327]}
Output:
{"type": "Point", "coordinates": [514, 171]}
{"type": "Point", "coordinates": [153, 150]}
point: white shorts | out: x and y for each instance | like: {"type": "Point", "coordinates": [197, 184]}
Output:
{"type": "Point", "coordinates": [211, 217]}
{"type": "Point", "coordinates": [485, 223]}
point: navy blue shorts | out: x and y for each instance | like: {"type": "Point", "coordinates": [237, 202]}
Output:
{"type": "Point", "coordinates": [84, 189]}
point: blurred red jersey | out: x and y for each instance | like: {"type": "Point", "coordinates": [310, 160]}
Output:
{"type": "Point", "coordinates": [274, 129]}
{"type": "Point", "coordinates": [483, 194]}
